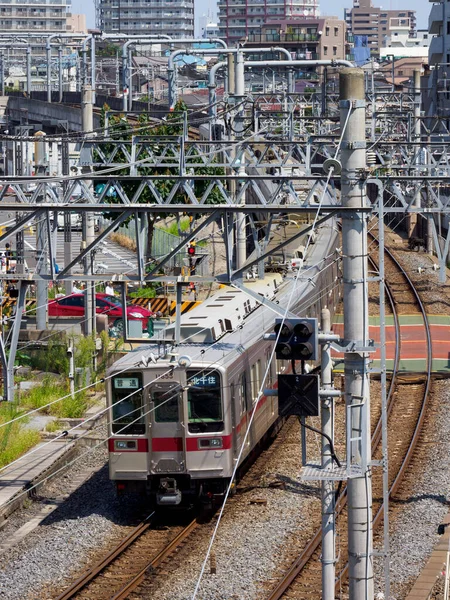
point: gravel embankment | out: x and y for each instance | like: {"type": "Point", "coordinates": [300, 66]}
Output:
{"type": "Point", "coordinates": [259, 531]}
{"type": "Point", "coordinates": [414, 532]}
{"type": "Point", "coordinates": [67, 537]}
{"type": "Point", "coordinates": [252, 539]}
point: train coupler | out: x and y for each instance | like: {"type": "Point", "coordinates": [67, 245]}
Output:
{"type": "Point", "coordinates": [168, 493]}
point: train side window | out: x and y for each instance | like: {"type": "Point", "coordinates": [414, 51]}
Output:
{"type": "Point", "coordinates": [166, 399]}
{"type": "Point", "coordinates": [257, 380]}
{"type": "Point", "coordinates": [128, 405]}
{"type": "Point", "coordinates": [269, 379]}
{"type": "Point", "coordinates": [243, 391]}
{"type": "Point", "coordinates": [254, 381]}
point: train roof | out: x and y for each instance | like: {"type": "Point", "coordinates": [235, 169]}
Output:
{"type": "Point", "coordinates": [231, 321]}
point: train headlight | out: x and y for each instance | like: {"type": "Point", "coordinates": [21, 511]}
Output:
{"type": "Point", "coordinates": [210, 443]}
{"type": "Point", "coordinates": [125, 445]}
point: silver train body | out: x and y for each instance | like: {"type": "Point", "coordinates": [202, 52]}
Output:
{"type": "Point", "coordinates": [179, 414]}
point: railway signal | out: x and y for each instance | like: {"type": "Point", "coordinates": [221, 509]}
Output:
{"type": "Point", "coordinates": [191, 249]}
{"type": "Point", "coordinates": [297, 339]}
{"type": "Point", "coordinates": [298, 395]}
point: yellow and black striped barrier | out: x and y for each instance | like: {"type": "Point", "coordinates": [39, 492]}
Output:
{"type": "Point", "coordinates": [185, 307]}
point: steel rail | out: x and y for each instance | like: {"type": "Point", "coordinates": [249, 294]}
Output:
{"type": "Point", "coordinates": [420, 421]}
{"type": "Point", "coordinates": [123, 545]}
{"type": "Point", "coordinates": [133, 583]}
{"type": "Point", "coordinates": [315, 542]}
{"type": "Point", "coordinates": [92, 573]}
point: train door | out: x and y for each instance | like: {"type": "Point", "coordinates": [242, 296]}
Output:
{"type": "Point", "coordinates": [246, 408]}
{"type": "Point", "coordinates": [167, 437]}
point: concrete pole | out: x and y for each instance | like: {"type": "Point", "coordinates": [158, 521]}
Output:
{"type": "Point", "coordinates": [60, 75]}
{"type": "Point", "coordinates": [2, 75]}
{"type": "Point", "coordinates": [125, 78]}
{"type": "Point", "coordinates": [241, 252]}
{"type": "Point", "coordinates": [328, 502]}
{"type": "Point", "coordinates": [417, 196]}
{"type": "Point", "coordinates": [130, 78]}
{"type": "Point", "coordinates": [41, 253]}
{"type": "Point", "coordinates": [29, 71]}
{"type": "Point", "coordinates": [93, 68]}
{"type": "Point", "coordinates": [88, 225]}
{"type": "Point", "coordinates": [231, 74]}
{"type": "Point", "coordinates": [356, 329]}
{"type": "Point", "coordinates": [49, 71]}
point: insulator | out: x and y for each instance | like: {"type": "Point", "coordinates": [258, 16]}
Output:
{"type": "Point", "coordinates": [371, 158]}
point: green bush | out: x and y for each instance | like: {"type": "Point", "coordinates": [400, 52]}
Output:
{"type": "Point", "coordinates": [144, 292]}
{"type": "Point", "coordinates": [15, 439]}
{"type": "Point", "coordinates": [53, 359]}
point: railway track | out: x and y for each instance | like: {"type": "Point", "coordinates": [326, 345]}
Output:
{"type": "Point", "coordinates": [407, 405]}
{"type": "Point", "coordinates": [116, 575]}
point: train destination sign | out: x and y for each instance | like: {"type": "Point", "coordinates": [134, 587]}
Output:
{"type": "Point", "coordinates": [129, 383]}
{"type": "Point", "coordinates": [206, 380]}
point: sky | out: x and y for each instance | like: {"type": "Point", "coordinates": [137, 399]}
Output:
{"type": "Point", "coordinates": [327, 7]}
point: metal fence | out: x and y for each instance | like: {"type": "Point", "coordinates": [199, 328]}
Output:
{"type": "Point", "coordinates": [164, 242]}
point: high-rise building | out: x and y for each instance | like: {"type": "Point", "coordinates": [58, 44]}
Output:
{"type": "Point", "coordinates": [238, 19]}
{"type": "Point", "coordinates": [151, 17]}
{"type": "Point", "coordinates": [376, 23]}
{"type": "Point", "coordinates": [439, 24]}
{"type": "Point", "coordinates": [48, 16]}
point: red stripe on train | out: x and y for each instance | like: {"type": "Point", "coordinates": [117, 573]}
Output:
{"type": "Point", "coordinates": [176, 444]}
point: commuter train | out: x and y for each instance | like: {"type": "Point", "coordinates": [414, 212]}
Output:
{"type": "Point", "coordinates": [178, 414]}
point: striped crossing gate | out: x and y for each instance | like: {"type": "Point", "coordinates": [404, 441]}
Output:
{"type": "Point", "coordinates": [8, 303]}
{"type": "Point", "coordinates": [154, 304]}
{"type": "Point", "coordinates": [185, 307]}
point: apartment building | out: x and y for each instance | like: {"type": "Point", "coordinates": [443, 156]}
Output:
{"type": "Point", "coordinates": [314, 39]}
{"type": "Point", "coordinates": [240, 19]}
{"type": "Point", "coordinates": [34, 16]}
{"type": "Point", "coordinates": [152, 17]}
{"type": "Point", "coordinates": [365, 19]}
{"type": "Point", "coordinates": [439, 24]}
{"type": "Point", "coordinates": [437, 101]}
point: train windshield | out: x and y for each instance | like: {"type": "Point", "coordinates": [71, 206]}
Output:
{"type": "Point", "coordinates": [166, 398]}
{"type": "Point", "coordinates": [204, 402]}
{"type": "Point", "coordinates": [127, 405]}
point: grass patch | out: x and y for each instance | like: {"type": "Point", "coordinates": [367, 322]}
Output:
{"type": "Point", "coordinates": [53, 426]}
{"type": "Point", "coordinates": [124, 241]}
{"type": "Point", "coordinates": [173, 227]}
{"type": "Point", "coordinates": [15, 439]}
{"type": "Point", "coordinates": [52, 389]}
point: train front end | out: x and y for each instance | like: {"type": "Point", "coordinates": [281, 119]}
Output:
{"type": "Point", "coordinates": [170, 435]}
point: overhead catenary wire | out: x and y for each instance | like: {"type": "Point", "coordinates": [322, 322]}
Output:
{"type": "Point", "coordinates": [131, 367]}
{"type": "Point", "coordinates": [252, 416]}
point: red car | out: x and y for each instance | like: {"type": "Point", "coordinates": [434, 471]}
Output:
{"type": "Point", "coordinates": [73, 306]}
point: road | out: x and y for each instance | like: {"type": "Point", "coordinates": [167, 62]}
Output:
{"type": "Point", "coordinates": [110, 257]}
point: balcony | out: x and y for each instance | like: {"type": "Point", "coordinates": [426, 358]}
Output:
{"type": "Point", "coordinates": [436, 50]}
{"type": "Point", "coordinates": [436, 18]}
{"type": "Point", "coordinates": [267, 38]}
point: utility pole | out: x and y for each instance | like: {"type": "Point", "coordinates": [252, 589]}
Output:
{"type": "Point", "coordinates": [356, 329]}
{"type": "Point", "coordinates": [241, 253]}
{"type": "Point", "coordinates": [417, 105]}
{"type": "Point", "coordinates": [88, 220]}
{"type": "Point", "coordinates": [328, 501]}
{"type": "Point", "coordinates": [41, 228]}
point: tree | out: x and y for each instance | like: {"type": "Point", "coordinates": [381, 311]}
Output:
{"type": "Point", "coordinates": [168, 131]}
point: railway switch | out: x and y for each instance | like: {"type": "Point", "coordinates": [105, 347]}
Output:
{"type": "Point", "coordinates": [297, 339]}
